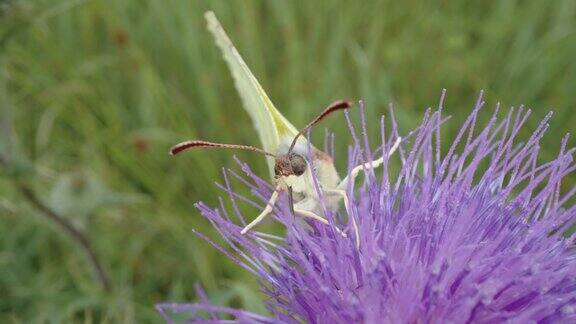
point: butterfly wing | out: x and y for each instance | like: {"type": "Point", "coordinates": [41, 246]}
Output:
{"type": "Point", "coordinates": [273, 128]}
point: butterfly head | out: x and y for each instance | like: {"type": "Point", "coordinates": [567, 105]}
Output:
{"type": "Point", "coordinates": [290, 164]}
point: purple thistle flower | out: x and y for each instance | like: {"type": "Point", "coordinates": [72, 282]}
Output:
{"type": "Point", "coordinates": [473, 236]}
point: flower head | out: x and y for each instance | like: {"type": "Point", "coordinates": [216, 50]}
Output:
{"type": "Point", "coordinates": [472, 235]}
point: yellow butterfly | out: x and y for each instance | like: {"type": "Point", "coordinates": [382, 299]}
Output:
{"type": "Point", "coordinates": [284, 144]}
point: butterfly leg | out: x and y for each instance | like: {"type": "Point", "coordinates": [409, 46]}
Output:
{"type": "Point", "coordinates": [309, 214]}
{"type": "Point", "coordinates": [303, 207]}
{"type": "Point", "coordinates": [374, 164]}
{"type": "Point", "coordinates": [342, 194]}
{"type": "Point", "coordinates": [264, 213]}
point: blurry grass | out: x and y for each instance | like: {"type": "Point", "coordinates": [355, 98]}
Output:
{"type": "Point", "coordinates": [97, 91]}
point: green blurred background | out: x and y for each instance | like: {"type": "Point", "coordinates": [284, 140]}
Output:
{"type": "Point", "coordinates": [93, 93]}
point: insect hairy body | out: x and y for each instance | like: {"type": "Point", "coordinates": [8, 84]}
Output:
{"type": "Point", "coordinates": [293, 173]}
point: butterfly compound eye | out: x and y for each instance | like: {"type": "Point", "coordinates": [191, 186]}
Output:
{"type": "Point", "coordinates": [298, 164]}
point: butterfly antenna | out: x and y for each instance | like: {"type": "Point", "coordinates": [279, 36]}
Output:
{"type": "Point", "coordinates": [180, 147]}
{"type": "Point", "coordinates": [342, 104]}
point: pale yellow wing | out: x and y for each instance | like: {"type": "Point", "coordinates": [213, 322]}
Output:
{"type": "Point", "coordinates": [272, 127]}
